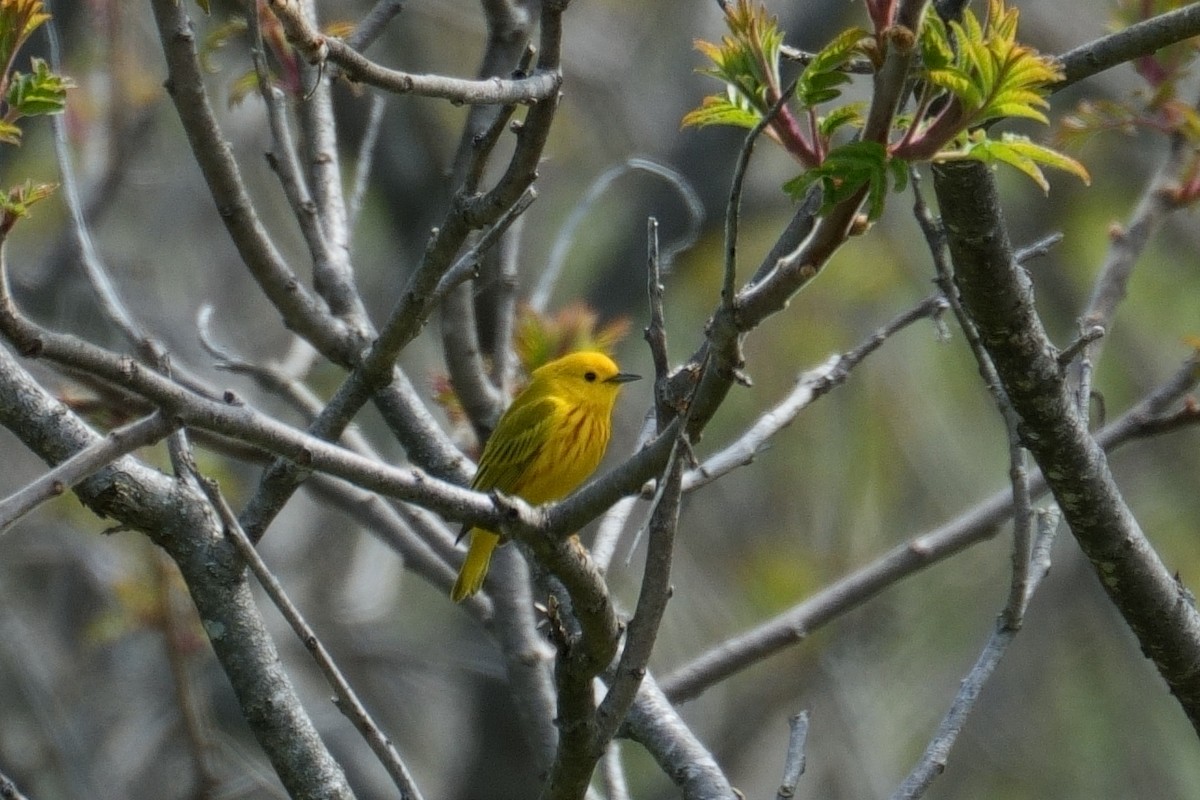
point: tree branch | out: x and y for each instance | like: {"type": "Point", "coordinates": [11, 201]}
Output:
{"type": "Point", "coordinates": [84, 463]}
{"type": "Point", "coordinates": [177, 518]}
{"type": "Point", "coordinates": [316, 47]}
{"type": "Point", "coordinates": [998, 295]}
{"type": "Point", "coordinates": [933, 761]}
{"type": "Point", "coordinates": [1140, 39]}
{"type": "Point", "coordinates": [301, 311]}
{"type": "Point", "coordinates": [976, 525]}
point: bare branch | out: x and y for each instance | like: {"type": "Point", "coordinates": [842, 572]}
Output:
{"type": "Point", "coordinates": [316, 47]}
{"type": "Point", "coordinates": [87, 461]}
{"type": "Point", "coordinates": [1125, 249]}
{"type": "Point", "coordinates": [811, 385]}
{"type": "Point", "coordinates": [933, 762]}
{"type": "Point", "coordinates": [655, 724]}
{"type": "Point", "coordinates": [365, 160]}
{"type": "Point", "coordinates": [1141, 39]}
{"type": "Point", "coordinates": [975, 525]}
{"type": "Point", "coordinates": [177, 517]}
{"type": "Point", "coordinates": [9, 790]}
{"type": "Point", "coordinates": [998, 295]}
{"type": "Point", "coordinates": [344, 696]}
{"type": "Point", "coordinates": [935, 236]}
{"type": "Point", "coordinates": [370, 26]}
{"type": "Point", "coordinates": [793, 765]}
{"type": "Point", "coordinates": [301, 312]}
{"type": "Point", "coordinates": [642, 630]}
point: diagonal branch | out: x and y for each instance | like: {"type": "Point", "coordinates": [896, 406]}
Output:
{"type": "Point", "coordinates": [302, 312]}
{"type": "Point", "coordinates": [998, 295]}
{"type": "Point", "coordinates": [177, 518]}
{"type": "Point", "coordinates": [87, 461]}
{"type": "Point", "coordinates": [976, 525]}
{"type": "Point", "coordinates": [1140, 39]}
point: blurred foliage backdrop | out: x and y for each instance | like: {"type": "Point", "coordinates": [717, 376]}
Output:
{"type": "Point", "coordinates": [89, 697]}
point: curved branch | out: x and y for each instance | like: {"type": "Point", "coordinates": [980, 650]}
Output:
{"type": "Point", "coordinates": [317, 47]}
{"type": "Point", "coordinates": [301, 311]}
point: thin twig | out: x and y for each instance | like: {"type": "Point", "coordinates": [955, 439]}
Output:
{"type": "Point", "coordinates": [283, 158]}
{"type": "Point", "coordinates": [733, 204]}
{"type": "Point", "coordinates": [303, 313]}
{"type": "Point", "coordinates": [793, 765]}
{"type": "Point", "coordinates": [612, 773]}
{"type": "Point", "coordinates": [811, 385]}
{"type": "Point", "coordinates": [365, 160]}
{"type": "Point", "coordinates": [655, 592]}
{"type": "Point", "coordinates": [933, 762]}
{"type": "Point", "coordinates": [1125, 249]}
{"type": "Point", "coordinates": [612, 524]}
{"type": "Point", "coordinates": [999, 297]}
{"type": "Point", "coordinates": [971, 527]}
{"type": "Point", "coordinates": [935, 237]}
{"type": "Point", "coordinates": [316, 48]}
{"type": "Point", "coordinates": [373, 23]}
{"type": "Point", "coordinates": [9, 790]}
{"type": "Point", "coordinates": [345, 698]}
{"type": "Point", "coordinates": [175, 617]}
{"type": "Point", "coordinates": [656, 331]}
{"type": "Point", "coordinates": [334, 278]}
{"type": "Point", "coordinates": [66, 475]}
{"type": "Point", "coordinates": [1140, 39]}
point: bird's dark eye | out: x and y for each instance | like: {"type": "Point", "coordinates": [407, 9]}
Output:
{"type": "Point", "coordinates": [590, 377]}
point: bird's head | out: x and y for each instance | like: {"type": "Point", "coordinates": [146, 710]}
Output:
{"type": "Point", "coordinates": [587, 376]}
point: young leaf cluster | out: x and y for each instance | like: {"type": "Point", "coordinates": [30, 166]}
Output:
{"type": "Point", "coordinates": [971, 74]}
{"type": "Point", "coordinates": [1157, 108]}
{"type": "Point", "coordinates": [987, 77]}
{"type": "Point", "coordinates": [748, 62]}
{"type": "Point", "coordinates": [36, 93]}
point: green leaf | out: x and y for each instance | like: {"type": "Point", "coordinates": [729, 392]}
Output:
{"type": "Point", "coordinates": [747, 59]}
{"type": "Point", "coordinates": [716, 110]}
{"type": "Point", "coordinates": [819, 81]}
{"type": "Point", "coordinates": [40, 92]}
{"type": "Point", "coordinates": [1018, 152]}
{"type": "Point", "coordinates": [9, 133]}
{"type": "Point", "coordinates": [14, 205]}
{"type": "Point", "coordinates": [849, 114]}
{"type": "Point", "coordinates": [844, 172]}
{"type": "Point", "coordinates": [18, 19]}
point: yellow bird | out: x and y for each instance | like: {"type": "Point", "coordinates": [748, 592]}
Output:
{"type": "Point", "coordinates": [545, 445]}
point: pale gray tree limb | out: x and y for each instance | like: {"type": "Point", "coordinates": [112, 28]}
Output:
{"type": "Point", "coordinates": [179, 519]}
{"type": "Point", "coordinates": [66, 475]}
{"type": "Point", "coordinates": [541, 86]}
{"type": "Point", "coordinates": [302, 312]}
{"type": "Point", "coordinates": [795, 762]}
{"type": "Point", "coordinates": [1140, 39]}
{"type": "Point", "coordinates": [345, 697]}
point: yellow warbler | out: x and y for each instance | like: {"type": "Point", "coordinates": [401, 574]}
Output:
{"type": "Point", "coordinates": [546, 444]}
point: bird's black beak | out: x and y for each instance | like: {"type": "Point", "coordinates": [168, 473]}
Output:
{"type": "Point", "coordinates": [623, 377]}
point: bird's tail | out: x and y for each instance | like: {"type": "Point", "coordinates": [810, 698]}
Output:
{"type": "Point", "coordinates": [474, 569]}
